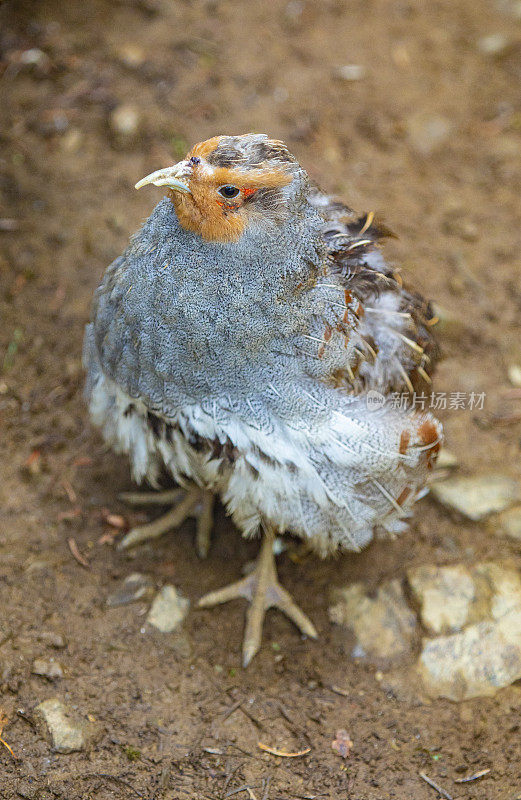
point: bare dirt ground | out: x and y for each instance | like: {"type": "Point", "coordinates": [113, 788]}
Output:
{"type": "Point", "coordinates": [453, 196]}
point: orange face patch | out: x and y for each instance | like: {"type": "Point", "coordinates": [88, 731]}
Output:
{"type": "Point", "coordinates": [205, 211]}
{"type": "Point", "coordinates": [202, 212]}
{"type": "Point", "coordinates": [203, 149]}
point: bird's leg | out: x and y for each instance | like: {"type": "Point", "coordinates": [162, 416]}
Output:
{"type": "Point", "coordinates": [204, 524]}
{"type": "Point", "coordinates": [196, 502]}
{"type": "Point", "coordinates": [263, 590]}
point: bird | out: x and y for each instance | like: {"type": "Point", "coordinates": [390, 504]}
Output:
{"type": "Point", "coordinates": [253, 345]}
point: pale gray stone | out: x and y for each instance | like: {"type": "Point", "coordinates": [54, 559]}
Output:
{"type": "Point", "coordinates": [168, 609]}
{"type": "Point", "coordinates": [510, 7]}
{"type": "Point", "coordinates": [427, 132]}
{"type": "Point", "coordinates": [47, 668]}
{"type": "Point", "coordinates": [474, 663]}
{"type": "Point", "coordinates": [384, 626]}
{"type": "Point", "coordinates": [52, 638]}
{"type": "Point", "coordinates": [125, 120]}
{"type": "Point", "coordinates": [133, 588]}
{"type": "Point", "coordinates": [446, 459]}
{"type": "Point", "coordinates": [351, 72]}
{"type": "Point", "coordinates": [477, 497]}
{"type": "Point", "coordinates": [486, 655]}
{"type": "Point", "coordinates": [495, 44]}
{"type": "Point", "coordinates": [508, 523]}
{"type": "Point", "coordinates": [131, 55]}
{"type": "Point", "coordinates": [445, 596]}
{"type": "Point", "coordinates": [514, 375]}
{"type": "Point", "coordinates": [63, 727]}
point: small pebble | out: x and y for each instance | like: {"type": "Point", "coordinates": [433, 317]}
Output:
{"type": "Point", "coordinates": [52, 638]}
{"type": "Point", "coordinates": [34, 57]}
{"type": "Point", "coordinates": [400, 56]}
{"type": "Point", "coordinates": [514, 375]}
{"type": "Point", "coordinates": [342, 743]}
{"type": "Point", "coordinates": [383, 625]}
{"type": "Point", "coordinates": [168, 610]}
{"type": "Point", "coordinates": [445, 596]}
{"type": "Point", "coordinates": [351, 72]}
{"type": "Point", "coordinates": [133, 588]}
{"type": "Point", "coordinates": [427, 132]}
{"type": "Point", "coordinates": [47, 668]}
{"type": "Point", "coordinates": [294, 9]}
{"type": "Point", "coordinates": [66, 731]}
{"type": "Point", "coordinates": [495, 44]}
{"type": "Point", "coordinates": [131, 55]}
{"type": "Point", "coordinates": [477, 498]}
{"type": "Point", "coordinates": [474, 663]}
{"type": "Point", "coordinates": [508, 523]}
{"type": "Point", "coordinates": [125, 121]}
{"type": "Point", "coordinates": [514, 8]}
{"type": "Point", "coordinates": [446, 459]}
{"type": "Point", "coordinates": [72, 140]}
{"type": "Point", "coordinates": [486, 655]}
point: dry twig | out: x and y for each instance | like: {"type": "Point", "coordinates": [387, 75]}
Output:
{"type": "Point", "coordinates": [473, 777]}
{"type": "Point", "coordinates": [435, 786]}
{"type": "Point", "coordinates": [3, 723]}
{"type": "Point", "coordinates": [340, 691]}
{"type": "Point", "coordinates": [282, 753]}
{"type": "Point", "coordinates": [73, 547]}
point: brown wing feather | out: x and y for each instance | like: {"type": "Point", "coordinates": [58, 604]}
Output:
{"type": "Point", "coordinates": [353, 254]}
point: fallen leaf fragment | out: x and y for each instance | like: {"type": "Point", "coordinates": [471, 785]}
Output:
{"type": "Point", "coordinates": [73, 547]}
{"type": "Point", "coordinates": [339, 690]}
{"type": "Point", "coordinates": [33, 463]}
{"type": "Point", "coordinates": [474, 777]}
{"type": "Point", "coordinates": [67, 516]}
{"type": "Point", "coordinates": [69, 491]}
{"type": "Point", "coordinates": [82, 461]}
{"type": "Point", "coordinates": [342, 744]}
{"type": "Point", "coordinates": [116, 521]}
{"type": "Point", "coordinates": [282, 753]}
{"type": "Point", "coordinates": [3, 723]}
{"type": "Point", "coordinates": [107, 538]}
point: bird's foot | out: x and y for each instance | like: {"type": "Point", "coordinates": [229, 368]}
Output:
{"type": "Point", "coordinates": [194, 502]}
{"type": "Point", "coordinates": [263, 590]}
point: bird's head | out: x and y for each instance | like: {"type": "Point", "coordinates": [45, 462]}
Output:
{"type": "Point", "coordinates": [230, 183]}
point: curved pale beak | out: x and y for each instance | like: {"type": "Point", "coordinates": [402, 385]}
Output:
{"type": "Point", "coordinates": [174, 177]}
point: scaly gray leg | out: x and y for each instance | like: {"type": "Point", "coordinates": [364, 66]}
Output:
{"type": "Point", "coordinates": [263, 590]}
{"type": "Point", "coordinates": [194, 502]}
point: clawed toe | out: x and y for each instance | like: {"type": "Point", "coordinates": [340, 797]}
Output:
{"type": "Point", "coordinates": [152, 498]}
{"type": "Point", "coordinates": [263, 591]}
{"type": "Point", "coordinates": [195, 502]}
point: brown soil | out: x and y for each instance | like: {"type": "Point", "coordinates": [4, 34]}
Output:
{"type": "Point", "coordinates": [195, 69]}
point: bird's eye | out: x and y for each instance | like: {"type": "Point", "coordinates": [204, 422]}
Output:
{"type": "Point", "coordinates": [228, 191]}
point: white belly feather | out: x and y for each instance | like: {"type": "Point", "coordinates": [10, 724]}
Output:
{"type": "Point", "coordinates": [331, 486]}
